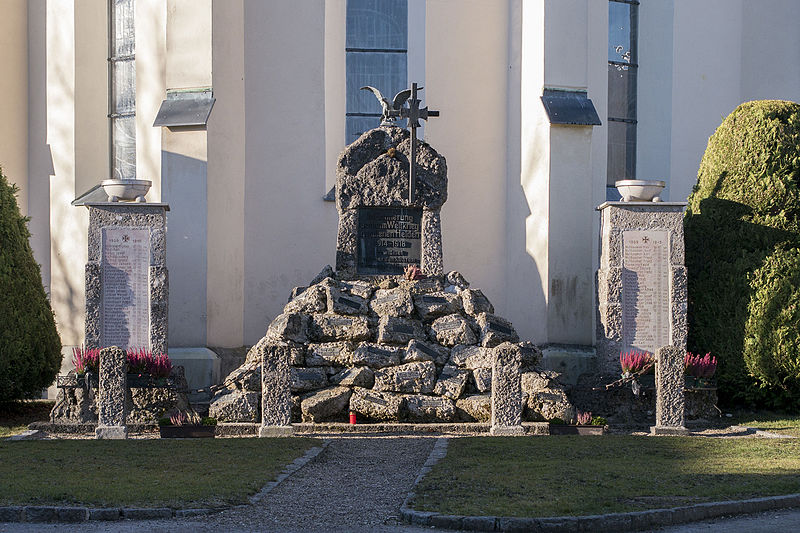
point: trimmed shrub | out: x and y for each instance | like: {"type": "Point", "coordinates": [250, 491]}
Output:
{"type": "Point", "coordinates": [744, 207]}
{"type": "Point", "coordinates": [30, 349]}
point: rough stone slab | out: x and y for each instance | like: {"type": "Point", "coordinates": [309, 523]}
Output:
{"type": "Point", "coordinates": [235, 406]}
{"type": "Point", "coordinates": [377, 356]}
{"type": "Point", "coordinates": [507, 431]}
{"type": "Point", "coordinates": [289, 327]}
{"type": "Point", "coordinates": [308, 379]}
{"type": "Point", "coordinates": [495, 330]}
{"type": "Point", "coordinates": [669, 387]}
{"type": "Point", "coordinates": [436, 304]}
{"type": "Point", "coordinates": [395, 330]}
{"type": "Point", "coordinates": [376, 405]}
{"type": "Point", "coordinates": [73, 514]}
{"type": "Point", "coordinates": [359, 376]}
{"type": "Point", "coordinates": [482, 377]}
{"type": "Point", "coordinates": [395, 302]}
{"type": "Point", "coordinates": [342, 303]}
{"type": "Point", "coordinates": [506, 388]}
{"type": "Point", "coordinates": [451, 330]}
{"type": "Point", "coordinates": [417, 351]}
{"type": "Point", "coordinates": [452, 382]}
{"type": "Point", "coordinates": [276, 385]}
{"type": "Point", "coordinates": [424, 286]}
{"type": "Point", "coordinates": [329, 353]}
{"type": "Point", "coordinates": [456, 279]}
{"type": "Point", "coordinates": [105, 514]}
{"type": "Point", "coordinates": [325, 404]}
{"type": "Point", "coordinates": [545, 398]}
{"type": "Point", "coordinates": [111, 432]}
{"type": "Point", "coordinates": [330, 327]}
{"type": "Point", "coordinates": [471, 357]}
{"type": "Point", "coordinates": [432, 260]}
{"type": "Point", "coordinates": [275, 431]}
{"type": "Point", "coordinates": [326, 272]}
{"type": "Point", "coordinates": [41, 513]}
{"type": "Point", "coordinates": [479, 523]}
{"type": "Point", "coordinates": [11, 514]}
{"type": "Point", "coordinates": [420, 408]}
{"type": "Point", "coordinates": [360, 288]}
{"type": "Point", "coordinates": [669, 430]}
{"type": "Point", "coordinates": [312, 300]}
{"type": "Point", "coordinates": [474, 302]}
{"type": "Point", "coordinates": [147, 514]}
{"type": "Point", "coordinates": [409, 377]}
{"type": "Point", "coordinates": [476, 408]}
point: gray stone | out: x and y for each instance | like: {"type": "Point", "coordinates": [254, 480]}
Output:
{"type": "Point", "coordinates": [330, 327]}
{"type": "Point", "coordinates": [288, 327]}
{"type": "Point", "coordinates": [435, 304]}
{"type": "Point", "coordinates": [326, 272]}
{"type": "Point", "coordinates": [451, 382]}
{"type": "Point", "coordinates": [11, 514]}
{"type": "Point", "coordinates": [41, 513]}
{"type": "Point", "coordinates": [495, 330]}
{"type": "Point", "coordinates": [307, 379]}
{"type": "Point", "coordinates": [326, 404]}
{"type": "Point", "coordinates": [329, 353]}
{"type": "Point", "coordinates": [235, 406]}
{"type": "Point", "coordinates": [451, 330]}
{"type": "Point", "coordinates": [420, 408]}
{"type": "Point", "coordinates": [359, 376]}
{"type": "Point", "coordinates": [475, 408]}
{"type": "Point", "coordinates": [362, 289]}
{"type": "Point", "coordinates": [506, 389]}
{"type": "Point", "coordinates": [424, 286]}
{"type": "Point", "coordinates": [73, 514]}
{"type": "Point", "coordinates": [147, 513]}
{"type": "Point", "coordinates": [312, 300]}
{"type": "Point", "coordinates": [113, 385]}
{"type": "Point", "coordinates": [423, 351]}
{"type": "Point", "coordinates": [105, 514]}
{"type": "Point", "coordinates": [276, 387]}
{"type": "Point", "coordinates": [669, 387]}
{"type": "Point", "coordinates": [410, 377]}
{"type": "Point", "coordinates": [432, 260]}
{"type": "Point", "coordinates": [395, 330]}
{"type": "Point", "coordinates": [74, 406]}
{"type": "Point", "coordinates": [475, 302]}
{"type": "Point", "coordinates": [483, 379]}
{"type": "Point", "coordinates": [377, 356]}
{"type": "Point", "coordinates": [342, 303]}
{"type": "Point", "coordinates": [531, 354]}
{"type": "Point", "coordinates": [455, 278]}
{"type": "Point", "coordinates": [376, 405]}
{"type": "Point", "coordinates": [471, 357]}
{"type": "Point", "coordinates": [392, 302]}
{"type": "Point", "coordinates": [545, 398]}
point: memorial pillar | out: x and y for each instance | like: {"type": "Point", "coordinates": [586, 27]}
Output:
{"type": "Point", "coordinates": [641, 283]}
{"type": "Point", "coordinates": [670, 401]}
{"type": "Point", "coordinates": [111, 391]}
{"type": "Point", "coordinates": [126, 276]}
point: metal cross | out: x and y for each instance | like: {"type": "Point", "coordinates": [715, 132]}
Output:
{"type": "Point", "coordinates": [413, 113]}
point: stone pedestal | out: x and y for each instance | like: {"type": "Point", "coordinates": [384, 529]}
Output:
{"type": "Point", "coordinates": [507, 391]}
{"type": "Point", "coordinates": [276, 394]}
{"type": "Point", "coordinates": [111, 406]}
{"type": "Point", "coordinates": [641, 283]}
{"type": "Point", "coordinates": [126, 276]}
{"type": "Point", "coordinates": [669, 392]}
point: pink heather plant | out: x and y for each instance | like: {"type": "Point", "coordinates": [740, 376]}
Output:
{"type": "Point", "coordinates": [633, 361]}
{"type": "Point", "coordinates": [159, 366]}
{"type": "Point", "coordinates": [698, 366]}
{"type": "Point", "coordinates": [178, 419]}
{"type": "Point", "coordinates": [584, 418]}
{"type": "Point", "coordinates": [86, 360]}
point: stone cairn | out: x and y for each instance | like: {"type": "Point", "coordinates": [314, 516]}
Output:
{"type": "Point", "coordinates": [364, 339]}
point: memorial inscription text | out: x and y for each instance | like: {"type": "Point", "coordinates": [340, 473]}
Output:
{"type": "Point", "coordinates": [389, 239]}
{"type": "Point", "coordinates": [645, 290]}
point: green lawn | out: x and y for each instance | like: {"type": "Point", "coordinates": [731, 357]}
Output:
{"type": "Point", "coordinates": [15, 417]}
{"type": "Point", "coordinates": [142, 473]}
{"type": "Point", "coordinates": [573, 475]}
{"type": "Point", "coordinates": [772, 422]}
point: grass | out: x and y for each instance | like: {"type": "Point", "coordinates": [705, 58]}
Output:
{"type": "Point", "coordinates": [15, 417]}
{"type": "Point", "coordinates": [142, 473]}
{"type": "Point", "coordinates": [569, 475]}
{"type": "Point", "coordinates": [769, 421]}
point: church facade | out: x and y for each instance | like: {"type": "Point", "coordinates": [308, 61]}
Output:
{"type": "Point", "coordinates": [543, 105]}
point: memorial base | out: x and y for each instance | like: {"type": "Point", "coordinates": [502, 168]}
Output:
{"type": "Point", "coordinates": [275, 431]}
{"type": "Point", "coordinates": [667, 430]}
{"type": "Point", "coordinates": [111, 432]}
{"type": "Point", "coordinates": [507, 431]}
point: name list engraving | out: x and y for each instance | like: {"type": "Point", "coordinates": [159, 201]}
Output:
{"type": "Point", "coordinates": [125, 266]}
{"type": "Point", "coordinates": [389, 239]}
{"type": "Point", "coordinates": [645, 290]}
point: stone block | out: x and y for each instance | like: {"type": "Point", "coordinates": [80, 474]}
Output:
{"type": "Point", "coordinates": [275, 431]}
{"type": "Point", "coordinates": [111, 405]}
{"type": "Point", "coordinates": [310, 301]}
{"type": "Point", "coordinates": [111, 432]}
{"type": "Point", "coordinates": [359, 376]}
{"type": "Point", "coordinates": [475, 408]}
{"type": "Point", "coordinates": [451, 383]}
{"type": "Point", "coordinates": [325, 404]}
{"type": "Point", "coordinates": [11, 514]}
{"type": "Point", "coordinates": [409, 377]}
{"type": "Point", "coordinates": [669, 387]}
{"type": "Point", "coordinates": [362, 289]}
{"type": "Point", "coordinates": [423, 351]}
{"type": "Point", "coordinates": [455, 279]}
{"type": "Point", "coordinates": [482, 377]}
{"type": "Point", "coordinates": [105, 514]}
{"type": "Point", "coordinates": [329, 353]}
{"type": "Point", "coordinates": [432, 261]}
{"type": "Point", "coordinates": [235, 406]}
{"type": "Point", "coordinates": [451, 330]}
{"type": "Point", "coordinates": [276, 387]}
{"type": "Point", "coordinates": [342, 303]}
{"type": "Point", "coordinates": [475, 302]}
{"type": "Point", "coordinates": [288, 327]}
{"type": "Point", "coordinates": [424, 286]}
{"type": "Point", "coordinates": [376, 405]}
{"type": "Point", "coordinates": [436, 304]}
{"type": "Point", "coordinates": [394, 330]}
{"type": "Point", "coordinates": [41, 513]}
{"type": "Point", "coordinates": [420, 408]}
{"type": "Point", "coordinates": [395, 302]}
{"type": "Point", "coordinates": [506, 389]}
{"type": "Point", "coordinates": [156, 513]}
{"type": "Point", "coordinates": [377, 356]}
{"type": "Point", "coordinates": [495, 330]}
{"type": "Point", "coordinates": [330, 327]}
{"type": "Point", "coordinates": [471, 357]}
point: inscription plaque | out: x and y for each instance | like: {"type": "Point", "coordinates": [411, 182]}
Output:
{"type": "Point", "coordinates": [501, 328]}
{"type": "Point", "coordinates": [645, 290]}
{"type": "Point", "coordinates": [403, 328]}
{"type": "Point", "coordinates": [407, 375]}
{"type": "Point", "coordinates": [376, 399]}
{"type": "Point", "coordinates": [434, 300]}
{"type": "Point", "coordinates": [349, 303]}
{"type": "Point", "coordinates": [125, 263]}
{"type": "Point", "coordinates": [389, 239]}
{"type": "Point", "coordinates": [427, 350]}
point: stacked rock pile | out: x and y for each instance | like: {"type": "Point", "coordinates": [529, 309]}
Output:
{"type": "Point", "coordinates": [389, 350]}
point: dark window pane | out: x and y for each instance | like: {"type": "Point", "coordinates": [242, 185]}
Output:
{"type": "Point", "coordinates": [377, 24]}
{"type": "Point", "coordinates": [621, 151]}
{"type": "Point", "coordinates": [387, 72]}
{"type": "Point", "coordinates": [622, 23]}
{"type": "Point", "coordinates": [622, 91]}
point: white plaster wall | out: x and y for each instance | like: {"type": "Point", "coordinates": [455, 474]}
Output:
{"type": "Point", "coordinates": [188, 43]}
{"type": "Point", "coordinates": [335, 87]}
{"type": "Point", "coordinates": [466, 80]}
{"type": "Point", "coordinates": [225, 185]}
{"type": "Point", "coordinates": [14, 103]}
{"type": "Point", "coordinates": [289, 231]}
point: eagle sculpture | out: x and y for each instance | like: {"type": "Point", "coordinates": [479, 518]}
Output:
{"type": "Point", "coordinates": [391, 109]}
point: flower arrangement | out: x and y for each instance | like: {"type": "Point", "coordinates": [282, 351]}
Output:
{"type": "Point", "coordinates": [700, 367]}
{"type": "Point", "coordinates": [584, 418]}
{"type": "Point", "coordinates": [85, 360]}
{"type": "Point", "coordinates": [140, 361]}
{"type": "Point", "coordinates": [634, 362]}
{"type": "Point", "coordinates": [413, 272]}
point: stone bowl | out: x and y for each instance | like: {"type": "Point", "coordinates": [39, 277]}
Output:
{"type": "Point", "coordinates": [127, 190]}
{"type": "Point", "coordinates": [640, 190]}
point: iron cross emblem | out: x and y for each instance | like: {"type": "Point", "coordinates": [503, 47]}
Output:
{"type": "Point", "coordinates": [413, 113]}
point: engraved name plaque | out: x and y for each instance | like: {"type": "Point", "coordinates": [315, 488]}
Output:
{"type": "Point", "coordinates": [645, 290]}
{"type": "Point", "coordinates": [126, 294]}
{"type": "Point", "coordinates": [389, 239]}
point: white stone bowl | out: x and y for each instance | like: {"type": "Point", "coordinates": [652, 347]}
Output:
{"type": "Point", "coordinates": [127, 190]}
{"type": "Point", "coordinates": [640, 190]}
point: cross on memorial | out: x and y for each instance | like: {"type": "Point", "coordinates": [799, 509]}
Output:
{"type": "Point", "coordinates": [413, 113]}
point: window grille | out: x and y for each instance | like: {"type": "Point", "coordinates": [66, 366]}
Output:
{"type": "Point", "coordinates": [122, 89]}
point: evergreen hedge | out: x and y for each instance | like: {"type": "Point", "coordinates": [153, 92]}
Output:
{"type": "Point", "coordinates": [741, 225]}
{"type": "Point", "coordinates": [30, 349]}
